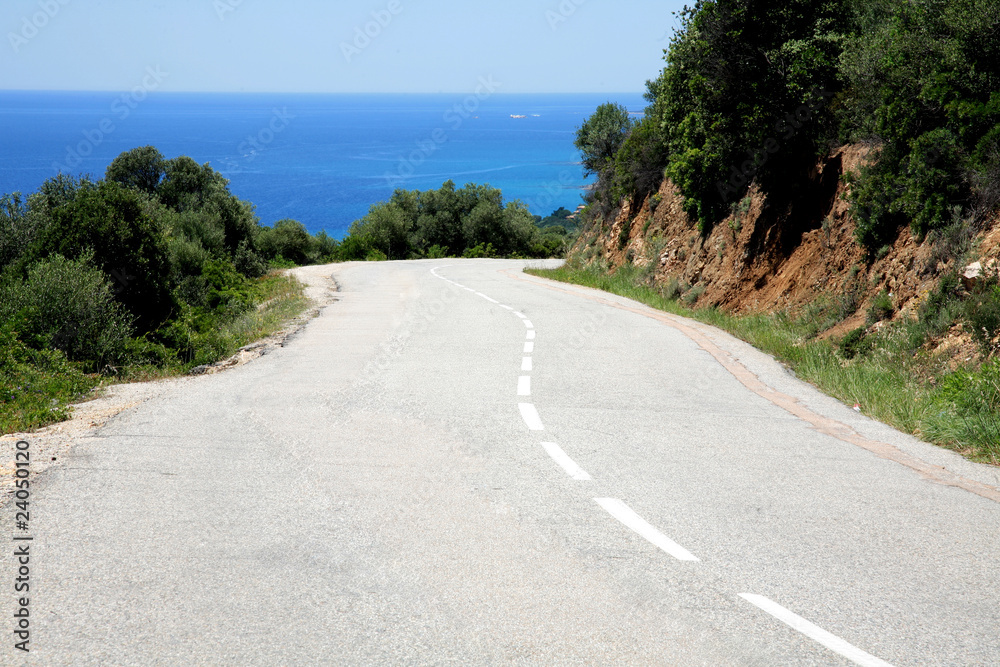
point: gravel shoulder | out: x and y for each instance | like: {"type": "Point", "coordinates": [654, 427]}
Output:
{"type": "Point", "coordinates": [50, 444]}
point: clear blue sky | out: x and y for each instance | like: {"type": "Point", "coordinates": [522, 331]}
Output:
{"type": "Point", "coordinates": [314, 45]}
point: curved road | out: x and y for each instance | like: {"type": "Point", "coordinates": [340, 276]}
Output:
{"type": "Point", "coordinates": [458, 463]}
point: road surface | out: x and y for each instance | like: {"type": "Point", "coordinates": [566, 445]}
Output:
{"type": "Point", "coordinates": [460, 464]}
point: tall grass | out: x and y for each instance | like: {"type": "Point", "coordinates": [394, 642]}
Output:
{"type": "Point", "coordinates": [893, 383]}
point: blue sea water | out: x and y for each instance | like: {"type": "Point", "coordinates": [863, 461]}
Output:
{"type": "Point", "coordinates": [319, 159]}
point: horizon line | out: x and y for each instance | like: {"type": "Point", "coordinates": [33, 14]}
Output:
{"type": "Point", "coordinates": [280, 92]}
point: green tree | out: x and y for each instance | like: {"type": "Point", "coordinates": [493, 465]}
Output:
{"type": "Point", "coordinates": [601, 135]}
{"type": "Point", "coordinates": [922, 82]}
{"type": "Point", "coordinates": [187, 185]}
{"type": "Point", "coordinates": [385, 228]}
{"type": "Point", "coordinates": [141, 168]}
{"type": "Point", "coordinates": [68, 305]}
{"type": "Point", "coordinates": [116, 225]}
{"type": "Point", "coordinates": [289, 240]}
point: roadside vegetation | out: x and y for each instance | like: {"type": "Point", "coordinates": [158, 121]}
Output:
{"type": "Point", "coordinates": [150, 271]}
{"type": "Point", "coordinates": [472, 221]}
{"type": "Point", "coordinates": [890, 372]}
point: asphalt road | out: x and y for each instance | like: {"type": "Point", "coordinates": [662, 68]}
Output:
{"type": "Point", "coordinates": [457, 463]}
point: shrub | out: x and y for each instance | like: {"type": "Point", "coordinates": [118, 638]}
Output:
{"type": "Point", "coordinates": [287, 239]}
{"type": "Point", "coordinates": [140, 168]}
{"type": "Point", "coordinates": [880, 309]}
{"type": "Point", "coordinates": [693, 294]}
{"type": "Point", "coordinates": [654, 202]}
{"type": "Point", "coordinates": [437, 252]}
{"type": "Point", "coordinates": [68, 305]}
{"type": "Point", "coordinates": [855, 343]}
{"type": "Point", "coordinates": [376, 255]}
{"type": "Point", "coordinates": [673, 289]}
{"type": "Point", "coordinates": [250, 263]}
{"type": "Point", "coordinates": [126, 242]}
{"type": "Point", "coordinates": [480, 251]}
{"type": "Point", "coordinates": [35, 385]}
{"type": "Point", "coordinates": [982, 312]}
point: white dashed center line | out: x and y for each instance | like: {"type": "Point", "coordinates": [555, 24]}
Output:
{"type": "Point", "coordinates": [814, 632]}
{"type": "Point", "coordinates": [571, 468]}
{"type": "Point", "coordinates": [624, 513]}
{"type": "Point", "coordinates": [526, 364]}
{"type": "Point", "coordinates": [531, 335]}
{"type": "Point", "coordinates": [529, 348]}
{"type": "Point", "coordinates": [524, 385]}
{"type": "Point", "coordinates": [530, 416]}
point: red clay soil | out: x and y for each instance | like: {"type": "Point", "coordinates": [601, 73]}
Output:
{"type": "Point", "coordinates": [777, 255]}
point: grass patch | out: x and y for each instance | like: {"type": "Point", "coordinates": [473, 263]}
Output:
{"type": "Point", "coordinates": [889, 376]}
{"type": "Point", "coordinates": [36, 387]}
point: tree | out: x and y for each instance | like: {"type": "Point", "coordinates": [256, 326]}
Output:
{"type": "Point", "coordinates": [601, 135]}
{"type": "Point", "coordinates": [385, 228]}
{"type": "Point", "coordinates": [68, 305]}
{"type": "Point", "coordinates": [140, 168]}
{"type": "Point", "coordinates": [186, 184]}
{"type": "Point", "coordinates": [288, 240]}
{"type": "Point", "coordinates": [127, 244]}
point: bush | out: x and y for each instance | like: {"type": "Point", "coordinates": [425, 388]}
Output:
{"type": "Point", "coordinates": [880, 309]}
{"type": "Point", "coordinates": [982, 312]}
{"type": "Point", "coordinates": [437, 252]}
{"type": "Point", "coordinates": [68, 305]}
{"type": "Point", "coordinates": [693, 294]}
{"type": "Point", "coordinates": [483, 250]}
{"type": "Point", "coordinates": [287, 239]}
{"type": "Point", "coordinates": [35, 385]}
{"type": "Point", "coordinates": [855, 343]}
{"type": "Point", "coordinates": [115, 224]}
{"type": "Point", "coordinates": [140, 168]}
{"type": "Point", "coordinates": [941, 307]}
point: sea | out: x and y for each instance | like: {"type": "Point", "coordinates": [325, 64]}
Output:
{"type": "Point", "coordinates": [321, 159]}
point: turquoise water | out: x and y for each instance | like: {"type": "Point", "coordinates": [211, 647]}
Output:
{"type": "Point", "coordinates": [320, 159]}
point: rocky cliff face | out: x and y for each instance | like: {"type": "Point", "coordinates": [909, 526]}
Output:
{"type": "Point", "coordinates": [779, 252]}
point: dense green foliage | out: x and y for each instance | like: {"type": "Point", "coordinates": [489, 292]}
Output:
{"type": "Point", "coordinates": [737, 104]}
{"type": "Point", "coordinates": [472, 221]}
{"type": "Point", "coordinates": [157, 266]}
{"type": "Point", "coordinates": [601, 135]}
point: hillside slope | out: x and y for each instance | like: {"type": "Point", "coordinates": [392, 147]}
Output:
{"type": "Point", "coordinates": [774, 255]}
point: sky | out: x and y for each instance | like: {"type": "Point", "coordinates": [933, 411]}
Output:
{"type": "Point", "coordinates": [331, 46]}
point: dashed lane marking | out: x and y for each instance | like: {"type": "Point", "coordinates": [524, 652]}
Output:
{"type": "Point", "coordinates": [624, 513]}
{"type": "Point", "coordinates": [567, 464]}
{"type": "Point", "coordinates": [814, 632]}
